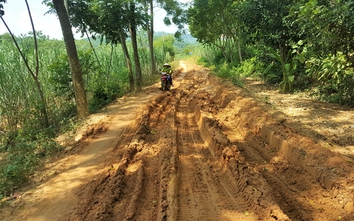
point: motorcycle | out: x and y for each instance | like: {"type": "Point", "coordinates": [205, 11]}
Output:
{"type": "Point", "coordinates": [165, 81]}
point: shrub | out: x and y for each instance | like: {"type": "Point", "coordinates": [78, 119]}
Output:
{"type": "Point", "coordinates": [102, 94]}
{"type": "Point", "coordinates": [335, 76]}
{"type": "Point", "coordinates": [21, 155]}
{"type": "Point", "coordinates": [249, 67]}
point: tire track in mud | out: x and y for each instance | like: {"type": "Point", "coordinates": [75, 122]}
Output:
{"type": "Point", "coordinates": [136, 186]}
{"type": "Point", "coordinates": [287, 190]}
{"type": "Point", "coordinates": [303, 180]}
{"type": "Point", "coordinates": [243, 194]}
{"type": "Point", "coordinates": [198, 154]}
{"type": "Point", "coordinates": [160, 166]}
{"type": "Point", "coordinates": [174, 169]}
{"type": "Point", "coordinates": [206, 190]}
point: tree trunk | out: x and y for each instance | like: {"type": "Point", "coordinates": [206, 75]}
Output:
{"type": "Point", "coordinates": [132, 28]}
{"type": "Point", "coordinates": [285, 84]}
{"type": "Point", "coordinates": [127, 60]}
{"type": "Point", "coordinates": [75, 68]}
{"type": "Point", "coordinates": [239, 44]}
{"type": "Point", "coordinates": [230, 44]}
{"type": "Point", "coordinates": [239, 51]}
{"type": "Point", "coordinates": [110, 63]}
{"type": "Point", "coordinates": [43, 104]}
{"type": "Point", "coordinates": [150, 33]}
{"type": "Point", "coordinates": [93, 48]}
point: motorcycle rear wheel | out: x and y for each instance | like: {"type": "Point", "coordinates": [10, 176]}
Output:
{"type": "Point", "coordinates": [165, 85]}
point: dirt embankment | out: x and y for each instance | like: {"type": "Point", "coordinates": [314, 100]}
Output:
{"type": "Point", "coordinates": [206, 150]}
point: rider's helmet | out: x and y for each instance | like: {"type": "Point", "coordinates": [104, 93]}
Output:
{"type": "Point", "coordinates": [166, 65]}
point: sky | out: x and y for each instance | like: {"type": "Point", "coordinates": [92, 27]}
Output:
{"type": "Point", "coordinates": [17, 19]}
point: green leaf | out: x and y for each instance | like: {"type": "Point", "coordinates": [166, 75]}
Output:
{"type": "Point", "coordinates": [275, 55]}
{"type": "Point", "coordinates": [301, 58]}
{"type": "Point", "coordinates": [291, 78]}
{"type": "Point", "coordinates": [287, 68]}
{"type": "Point", "coordinates": [272, 75]}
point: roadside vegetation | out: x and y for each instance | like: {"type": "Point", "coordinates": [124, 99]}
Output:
{"type": "Point", "coordinates": [297, 45]}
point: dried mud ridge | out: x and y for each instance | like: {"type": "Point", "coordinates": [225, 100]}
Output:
{"type": "Point", "coordinates": [207, 151]}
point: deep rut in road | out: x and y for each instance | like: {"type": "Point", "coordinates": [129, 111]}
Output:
{"type": "Point", "coordinates": [206, 189]}
{"type": "Point", "coordinates": [206, 151]}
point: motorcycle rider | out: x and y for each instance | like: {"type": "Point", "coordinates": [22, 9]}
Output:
{"type": "Point", "coordinates": [167, 68]}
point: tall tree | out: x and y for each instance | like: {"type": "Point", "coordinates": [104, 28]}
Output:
{"type": "Point", "coordinates": [108, 19]}
{"type": "Point", "coordinates": [215, 23]}
{"type": "Point", "coordinates": [175, 14]}
{"type": "Point", "coordinates": [75, 68]}
{"type": "Point", "coordinates": [133, 15]}
{"type": "Point", "coordinates": [149, 4]}
{"type": "Point", "coordinates": [265, 21]}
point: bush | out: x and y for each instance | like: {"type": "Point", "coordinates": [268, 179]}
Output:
{"type": "Point", "coordinates": [229, 72]}
{"type": "Point", "coordinates": [249, 68]}
{"type": "Point", "coordinates": [335, 76]}
{"type": "Point", "coordinates": [223, 71]}
{"type": "Point", "coordinates": [103, 94]}
{"type": "Point", "coordinates": [17, 170]}
{"type": "Point", "coordinates": [21, 155]}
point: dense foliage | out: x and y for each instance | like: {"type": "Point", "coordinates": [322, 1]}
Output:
{"type": "Point", "coordinates": [295, 44]}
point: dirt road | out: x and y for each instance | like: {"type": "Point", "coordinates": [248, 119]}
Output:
{"type": "Point", "coordinates": [206, 150]}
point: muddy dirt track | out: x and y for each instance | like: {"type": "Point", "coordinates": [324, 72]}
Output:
{"type": "Point", "coordinates": [204, 151]}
